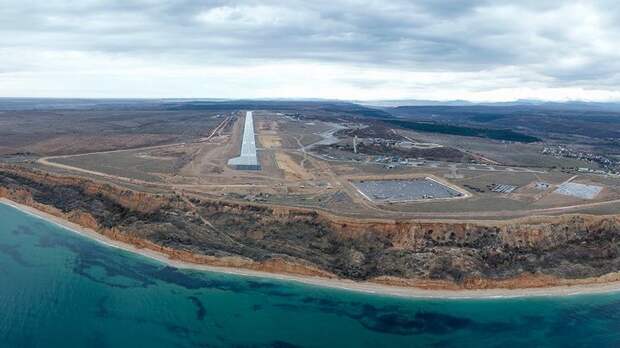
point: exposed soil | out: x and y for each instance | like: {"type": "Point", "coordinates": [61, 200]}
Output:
{"type": "Point", "coordinates": [516, 253]}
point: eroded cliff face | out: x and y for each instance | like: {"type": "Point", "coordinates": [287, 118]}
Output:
{"type": "Point", "coordinates": [519, 253]}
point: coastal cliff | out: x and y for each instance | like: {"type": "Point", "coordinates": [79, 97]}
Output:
{"type": "Point", "coordinates": [533, 252]}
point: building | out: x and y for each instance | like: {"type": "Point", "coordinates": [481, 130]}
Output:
{"type": "Point", "coordinates": [247, 160]}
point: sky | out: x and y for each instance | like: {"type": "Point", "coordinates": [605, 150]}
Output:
{"type": "Point", "coordinates": [353, 50]}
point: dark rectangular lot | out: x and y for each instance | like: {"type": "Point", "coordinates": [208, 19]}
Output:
{"type": "Point", "coordinates": [404, 190]}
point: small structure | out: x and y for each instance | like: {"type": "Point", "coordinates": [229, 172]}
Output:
{"type": "Point", "coordinates": [503, 188]}
{"type": "Point", "coordinates": [247, 160]}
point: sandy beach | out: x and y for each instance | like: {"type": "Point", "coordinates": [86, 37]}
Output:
{"type": "Point", "coordinates": [365, 287]}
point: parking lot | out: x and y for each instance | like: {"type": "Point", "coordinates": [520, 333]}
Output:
{"type": "Point", "coordinates": [404, 190]}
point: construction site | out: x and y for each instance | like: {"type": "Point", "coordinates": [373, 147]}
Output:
{"type": "Point", "coordinates": [340, 166]}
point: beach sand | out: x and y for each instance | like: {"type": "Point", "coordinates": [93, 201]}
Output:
{"type": "Point", "coordinates": [365, 287]}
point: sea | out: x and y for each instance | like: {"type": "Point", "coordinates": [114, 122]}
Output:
{"type": "Point", "coordinates": [60, 289]}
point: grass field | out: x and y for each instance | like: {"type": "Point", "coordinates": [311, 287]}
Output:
{"type": "Point", "coordinates": [130, 164]}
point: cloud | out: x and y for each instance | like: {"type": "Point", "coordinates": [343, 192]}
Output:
{"type": "Point", "coordinates": [337, 49]}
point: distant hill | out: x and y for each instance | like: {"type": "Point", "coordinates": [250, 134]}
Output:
{"type": "Point", "coordinates": [570, 105]}
{"type": "Point", "coordinates": [596, 120]}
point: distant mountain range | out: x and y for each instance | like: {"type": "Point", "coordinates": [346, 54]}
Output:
{"type": "Point", "coordinates": [75, 103]}
{"type": "Point", "coordinates": [572, 105]}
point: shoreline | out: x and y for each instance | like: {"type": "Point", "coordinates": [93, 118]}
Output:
{"type": "Point", "coordinates": [340, 284]}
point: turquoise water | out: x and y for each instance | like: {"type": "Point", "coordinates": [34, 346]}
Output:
{"type": "Point", "coordinates": [58, 289]}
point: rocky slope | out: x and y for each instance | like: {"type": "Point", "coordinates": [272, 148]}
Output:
{"type": "Point", "coordinates": [519, 253]}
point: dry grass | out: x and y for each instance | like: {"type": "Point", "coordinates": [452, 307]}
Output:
{"type": "Point", "coordinates": [292, 170]}
{"type": "Point", "coordinates": [270, 141]}
{"type": "Point", "coordinates": [70, 144]}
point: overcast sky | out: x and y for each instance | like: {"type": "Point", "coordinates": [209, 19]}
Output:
{"type": "Point", "coordinates": [427, 49]}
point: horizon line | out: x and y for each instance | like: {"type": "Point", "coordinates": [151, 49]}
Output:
{"type": "Point", "coordinates": [532, 101]}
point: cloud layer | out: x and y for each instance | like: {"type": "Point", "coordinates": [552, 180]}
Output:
{"type": "Point", "coordinates": [425, 49]}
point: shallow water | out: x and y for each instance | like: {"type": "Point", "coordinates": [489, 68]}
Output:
{"type": "Point", "coordinates": [59, 289]}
